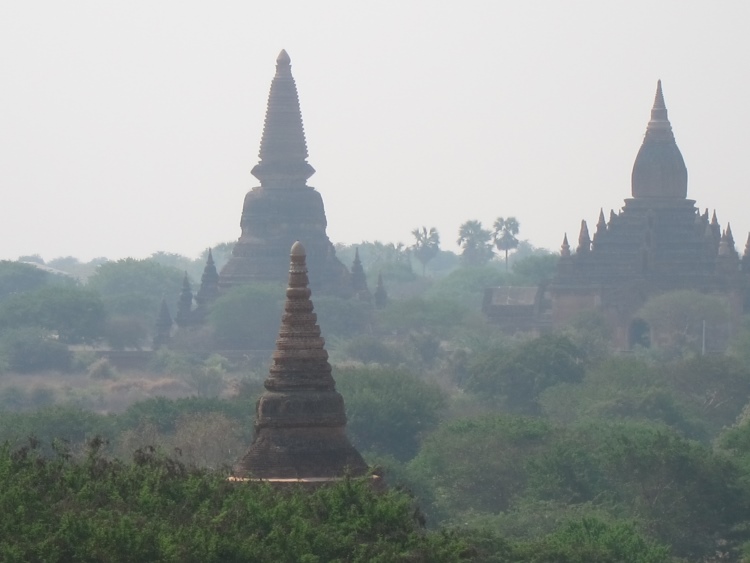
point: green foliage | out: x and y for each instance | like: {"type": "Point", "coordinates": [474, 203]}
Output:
{"type": "Point", "coordinates": [248, 316]}
{"type": "Point", "coordinates": [535, 269]}
{"type": "Point", "coordinates": [426, 245]}
{"type": "Point", "coordinates": [156, 509]}
{"type": "Point", "coordinates": [591, 539]}
{"type": "Point", "coordinates": [32, 349]}
{"type": "Point", "coordinates": [373, 350]}
{"type": "Point", "coordinates": [475, 242]}
{"type": "Point", "coordinates": [678, 490]}
{"type": "Point", "coordinates": [389, 410]}
{"type": "Point", "coordinates": [102, 369]}
{"type": "Point", "coordinates": [67, 424]}
{"type": "Point", "coordinates": [697, 397]}
{"type": "Point", "coordinates": [164, 413]}
{"type": "Point", "coordinates": [519, 375]}
{"type": "Point", "coordinates": [436, 316]}
{"type": "Point", "coordinates": [341, 317]}
{"type": "Point", "coordinates": [122, 332]}
{"type": "Point", "coordinates": [467, 285]}
{"type": "Point", "coordinates": [504, 233]}
{"type": "Point", "coordinates": [136, 287]}
{"type": "Point", "coordinates": [75, 315]}
{"type": "Point", "coordinates": [17, 277]}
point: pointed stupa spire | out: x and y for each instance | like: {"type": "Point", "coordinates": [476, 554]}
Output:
{"type": "Point", "coordinates": [565, 248]}
{"type": "Point", "coordinates": [209, 289]}
{"type": "Point", "coordinates": [185, 303]}
{"type": "Point", "coordinates": [584, 240]}
{"type": "Point", "coordinates": [300, 421]}
{"type": "Point", "coordinates": [283, 150]}
{"type": "Point", "coordinates": [730, 237]}
{"type": "Point", "coordinates": [601, 227]}
{"type": "Point", "coordinates": [359, 280]}
{"type": "Point", "coordinates": [659, 169]}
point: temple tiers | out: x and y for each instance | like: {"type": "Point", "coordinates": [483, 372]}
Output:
{"type": "Point", "coordinates": [658, 242]}
{"type": "Point", "coordinates": [300, 420]}
{"type": "Point", "coordinates": [283, 208]}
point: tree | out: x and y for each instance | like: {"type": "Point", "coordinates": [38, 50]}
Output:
{"type": "Point", "coordinates": [475, 241]}
{"type": "Point", "coordinates": [389, 411]}
{"type": "Point", "coordinates": [73, 314]}
{"type": "Point", "coordinates": [136, 287]}
{"type": "Point", "coordinates": [504, 235]}
{"type": "Point", "coordinates": [521, 374]}
{"type": "Point", "coordinates": [16, 277]}
{"type": "Point", "coordinates": [426, 245]}
{"type": "Point", "coordinates": [247, 317]}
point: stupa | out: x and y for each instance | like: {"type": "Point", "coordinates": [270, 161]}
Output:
{"type": "Point", "coordinates": [283, 208]}
{"type": "Point", "coordinates": [300, 424]}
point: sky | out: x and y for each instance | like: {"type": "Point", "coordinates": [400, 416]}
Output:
{"type": "Point", "coordinates": [128, 128]}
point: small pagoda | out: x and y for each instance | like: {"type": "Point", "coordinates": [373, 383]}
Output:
{"type": "Point", "coordinates": [300, 423]}
{"type": "Point", "coordinates": [283, 208]}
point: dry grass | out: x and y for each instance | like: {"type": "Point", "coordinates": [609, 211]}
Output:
{"type": "Point", "coordinates": [28, 391]}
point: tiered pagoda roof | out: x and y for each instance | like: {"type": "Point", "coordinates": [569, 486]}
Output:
{"type": "Point", "coordinates": [300, 420]}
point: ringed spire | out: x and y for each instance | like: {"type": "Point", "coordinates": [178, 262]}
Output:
{"type": "Point", "coordinates": [283, 148]}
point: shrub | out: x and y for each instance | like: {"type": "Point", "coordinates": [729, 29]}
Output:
{"type": "Point", "coordinates": [28, 350]}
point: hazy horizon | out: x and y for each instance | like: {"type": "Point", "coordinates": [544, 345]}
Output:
{"type": "Point", "coordinates": [129, 128]}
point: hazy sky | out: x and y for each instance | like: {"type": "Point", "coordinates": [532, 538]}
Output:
{"type": "Point", "coordinates": [132, 127]}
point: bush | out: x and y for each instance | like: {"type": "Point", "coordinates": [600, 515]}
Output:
{"type": "Point", "coordinates": [28, 350]}
{"type": "Point", "coordinates": [123, 332]}
{"type": "Point", "coordinates": [521, 374]}
{"type": "Point", "coordinates": [372, 350]}
{"type": "Point", "coordinates": [102, 369]}
{"type": "Point", "coordinates": [389, 410]}
{"type": "Point", "coordinates": [247, 317]}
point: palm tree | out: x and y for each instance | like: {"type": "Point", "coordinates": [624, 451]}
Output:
{"type": "Point", "coordinates": [475, 242]}
{"type": "Point", "coordinates": [426, 245]}
{"type": "Point", "coordinates": [504, 235]}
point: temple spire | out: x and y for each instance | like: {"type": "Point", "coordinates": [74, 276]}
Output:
{"type": "Point", "coordinates": [283, 149]}
{"type": "Point", "coordinates": [209, 289]}
{"type": "Point", "coordinates": [659, 170]}
{"type": "Point", "coordinates": [565, 248]}
{"type": "Point", "coordinates": [584, 240]}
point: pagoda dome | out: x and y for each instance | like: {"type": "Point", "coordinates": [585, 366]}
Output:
{"type": "Point", "coordinates": [659, 170]}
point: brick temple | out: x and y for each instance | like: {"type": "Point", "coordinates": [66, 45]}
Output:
{"type": "Point", "coordinates": [658, 242]}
